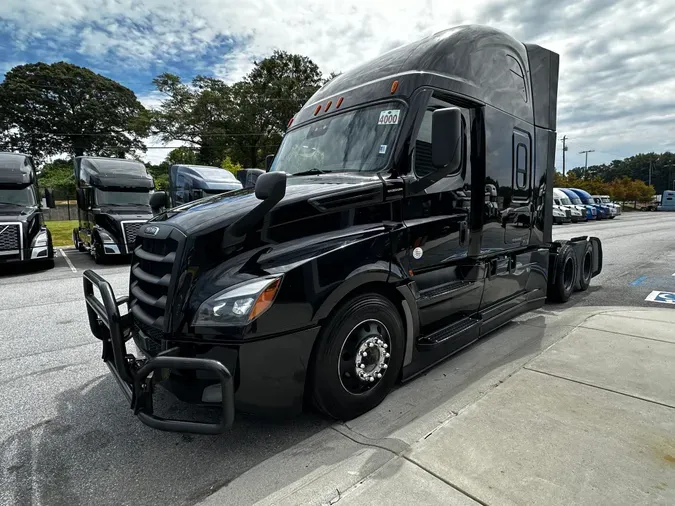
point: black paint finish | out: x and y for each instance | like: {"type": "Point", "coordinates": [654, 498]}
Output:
{"type": "Point", "coordinates": [458, 257]}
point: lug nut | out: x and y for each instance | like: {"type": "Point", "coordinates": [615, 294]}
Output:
{"type": "Point", "coordinates": [362, 366]}
{"type": "Point", "coordinates": [384, 366]}
{"type": "Point", "coordinates": [385, 346]}
{"type": "Point", "coordinates": [364, 354]}
{"type": "Point", "coordinates": [379, 375]}
{"type": "Point", "coordinates": [370, 345]}
{"type": "Point", "coordinates": [386, 355]}
{"type": "Point", "coordinates": [371, 379]}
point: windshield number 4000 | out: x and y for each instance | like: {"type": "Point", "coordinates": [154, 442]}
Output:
{"type": "Point", "coordinates": [389, 117]}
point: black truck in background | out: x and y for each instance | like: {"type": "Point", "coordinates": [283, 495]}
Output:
{"type": "Point", "coordinates": [406, 214]}
{"type": "Point", "coordinates": [113, 201]}
{"type": "Point", "coordinates": [23, 234]}
{"type": "Point", "coordinates": [193, 182]}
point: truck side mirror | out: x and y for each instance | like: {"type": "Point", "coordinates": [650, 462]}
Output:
{"type": "Point", "coordinates": [271, 185]}
{"type": "Point", "coordinates": [446, 138]}
{"type": "Point", "coordinates": [268, 162]}
{"type": "Point", "coordinates": [158, 200]}
{"type": "Point", "coordinates": [49, 199]}
{"type": "Point", "coordinates": [81, 199]}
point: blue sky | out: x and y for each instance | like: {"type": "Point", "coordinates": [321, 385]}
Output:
{"type": "Point", "coordinates": [617, 87]}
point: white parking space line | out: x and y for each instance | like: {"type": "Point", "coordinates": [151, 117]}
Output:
{"type": "Point", "coordinates": [70, 264]}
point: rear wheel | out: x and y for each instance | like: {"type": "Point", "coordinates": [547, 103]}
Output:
{"type": "Point", "coordinates": [562, 287]}
{"type": "Point", "coordinates": [358, 357]}
{"type": "Point", "coordinates": [586, 268]}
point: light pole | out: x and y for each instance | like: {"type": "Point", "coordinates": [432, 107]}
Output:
{"type": "Point", "coordinates": [586, 164]}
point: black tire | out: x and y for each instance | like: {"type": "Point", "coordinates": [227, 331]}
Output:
{"type": "Point", "coordinates": [97, 252]}
{"type": "Point", "coordinates": [340, 390]}
{"type": "Point", "coordinates": [48, 264]}
{"type": "Point", "coordinates": [586, 268]}
{"type": "Point", "coordinates": [566, 270]}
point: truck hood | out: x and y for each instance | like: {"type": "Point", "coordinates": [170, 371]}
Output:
{"type": "Point", "coordinates": [305, 196]}
{"type": "Point", "coordinates": [16, 213]}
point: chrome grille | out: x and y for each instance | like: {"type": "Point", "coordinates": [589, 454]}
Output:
{"type": "Point", "coordinates": [568, 213]}
{"type": "Point", "coordinates": [131, 229]}
{"type": "Point", "coordinates": [10, 236]}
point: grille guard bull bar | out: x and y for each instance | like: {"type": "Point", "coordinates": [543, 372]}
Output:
{"type": "Point", "coordinates": [132, 373]}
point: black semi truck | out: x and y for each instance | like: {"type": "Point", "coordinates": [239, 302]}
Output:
{"type": "Point", "coordinates": [406, 214]}
{"type": "Point", "coordinates": [113, 201]}
{"type": "Point", "coordinates": [23, 234]}
{"type": "Point", "coordinates": [193, 182]}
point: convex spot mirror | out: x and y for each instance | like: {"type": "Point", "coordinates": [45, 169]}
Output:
{"type": "Point", "coordinates": [446, 139]}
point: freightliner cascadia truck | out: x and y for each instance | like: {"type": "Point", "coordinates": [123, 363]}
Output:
{"type": "Point", "coordinates": [23, 235]}
{"type": "Point", "coordinates": [406, 214]}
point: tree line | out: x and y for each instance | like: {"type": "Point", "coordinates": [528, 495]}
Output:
{"type": "Point", "coordinates": [622, 189]}
{"type": "Point", "coordinates": [637, 167]}
{"type": "Point", "coordinates": [49, 110]}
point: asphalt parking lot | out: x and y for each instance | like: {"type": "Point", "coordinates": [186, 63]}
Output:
{"type": "Point", "coordinates": [68, 437]}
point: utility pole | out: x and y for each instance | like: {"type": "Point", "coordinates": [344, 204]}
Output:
{"type": "Point", "coordinates": [564, 149]}
{"type": "Point", "coordinates": [586, 153]}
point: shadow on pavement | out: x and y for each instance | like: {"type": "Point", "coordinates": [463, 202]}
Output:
{"type": "Point", "coordinates": [93, 451]}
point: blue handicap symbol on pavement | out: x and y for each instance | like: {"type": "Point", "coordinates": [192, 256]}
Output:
{"type": "Point", "coordinates": [663, 297]}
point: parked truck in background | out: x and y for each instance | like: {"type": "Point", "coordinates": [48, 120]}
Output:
{"type": "Point", "coordinates": [667, 201]}
{"type": "Point", "coordinates": [577, 213]}
{"type": "Point", "coordinates": [371, 250]}
{"type": "Point", "coordinates": [606, 201]}
{"type": "Point", "coordinates": [193, 182]}
{"type": "Point", "coordinates": [23, 234]}
{"type": "Point", "coordinates": [113, 201]}
{"type": "Point", "coordinates": [591, 209]}
{"type": "Point", "coordinates": [603, 211]}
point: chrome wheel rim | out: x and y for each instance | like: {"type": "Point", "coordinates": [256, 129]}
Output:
{"type": "Point", "coordinates": [364, 357]}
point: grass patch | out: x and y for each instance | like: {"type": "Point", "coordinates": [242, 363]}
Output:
{"type": "Point", "coordinates": [62, 232]}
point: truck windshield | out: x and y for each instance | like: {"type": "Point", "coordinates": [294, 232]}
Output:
{"type": "Point", "coordinates": [356, 141]}
{"type": "Point", "coordinates": [565, 201]}
{"type": "Point", "coordinates": [17, 197]}
{"type": "Point", "coordinates": [605, 200]}
{"type": "Point", "coordinates": [109, 198]}
{"type": "Point", "coordinates": [576, 201]}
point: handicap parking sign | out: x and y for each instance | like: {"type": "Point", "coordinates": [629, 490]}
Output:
{"type": "Point", "coordinates": [663, 297]}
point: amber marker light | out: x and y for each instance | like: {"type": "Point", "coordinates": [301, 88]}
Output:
{"type": "Point", "coordinates": [339, 103]}
{"type": "Point", "coordinates": [394, 87]}
{"type": "Point", "coordinates": [265, 299]}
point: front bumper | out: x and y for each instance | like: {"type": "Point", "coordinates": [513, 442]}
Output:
{"type": "Point", "coordinates": [134, 375]}
{"type": "Point", "coordinates": [26, 255]}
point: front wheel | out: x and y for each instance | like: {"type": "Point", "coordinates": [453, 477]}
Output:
{"type": "Point", "coordinates": [97, 252]}
{"type": "Point", "coordinates": [358, 357]}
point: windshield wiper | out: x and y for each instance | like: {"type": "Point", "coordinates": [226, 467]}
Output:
{"type": "Point", "coordinates": [312, 172]}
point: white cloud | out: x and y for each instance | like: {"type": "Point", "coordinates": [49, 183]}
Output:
{"type": "Point", "coordinates": [616, 90]}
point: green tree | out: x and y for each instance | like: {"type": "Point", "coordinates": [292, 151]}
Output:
{"type": "Point", "coordinates": [182, 155]}
{"type": "Point", "coordinates": [231, 166]}
{"type": "Point", "coordinates": [199, 114]}
{"type": "Point", "coordinates": [48, 109]}
{"type": "Point", "coordinates": [244, 121]}
{"type": "Point", "coordinates": [58, 175]}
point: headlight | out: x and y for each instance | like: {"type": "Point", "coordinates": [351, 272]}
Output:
{"type": "Point", "coordinates": [240, 304]}
{"type": "Point", "coordinates": [104, 235]}
{"type": "Point", "coordinates": [41, 239]}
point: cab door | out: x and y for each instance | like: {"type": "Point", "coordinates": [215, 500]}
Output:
{"type": "Point", "coordinates": [449, 283]}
